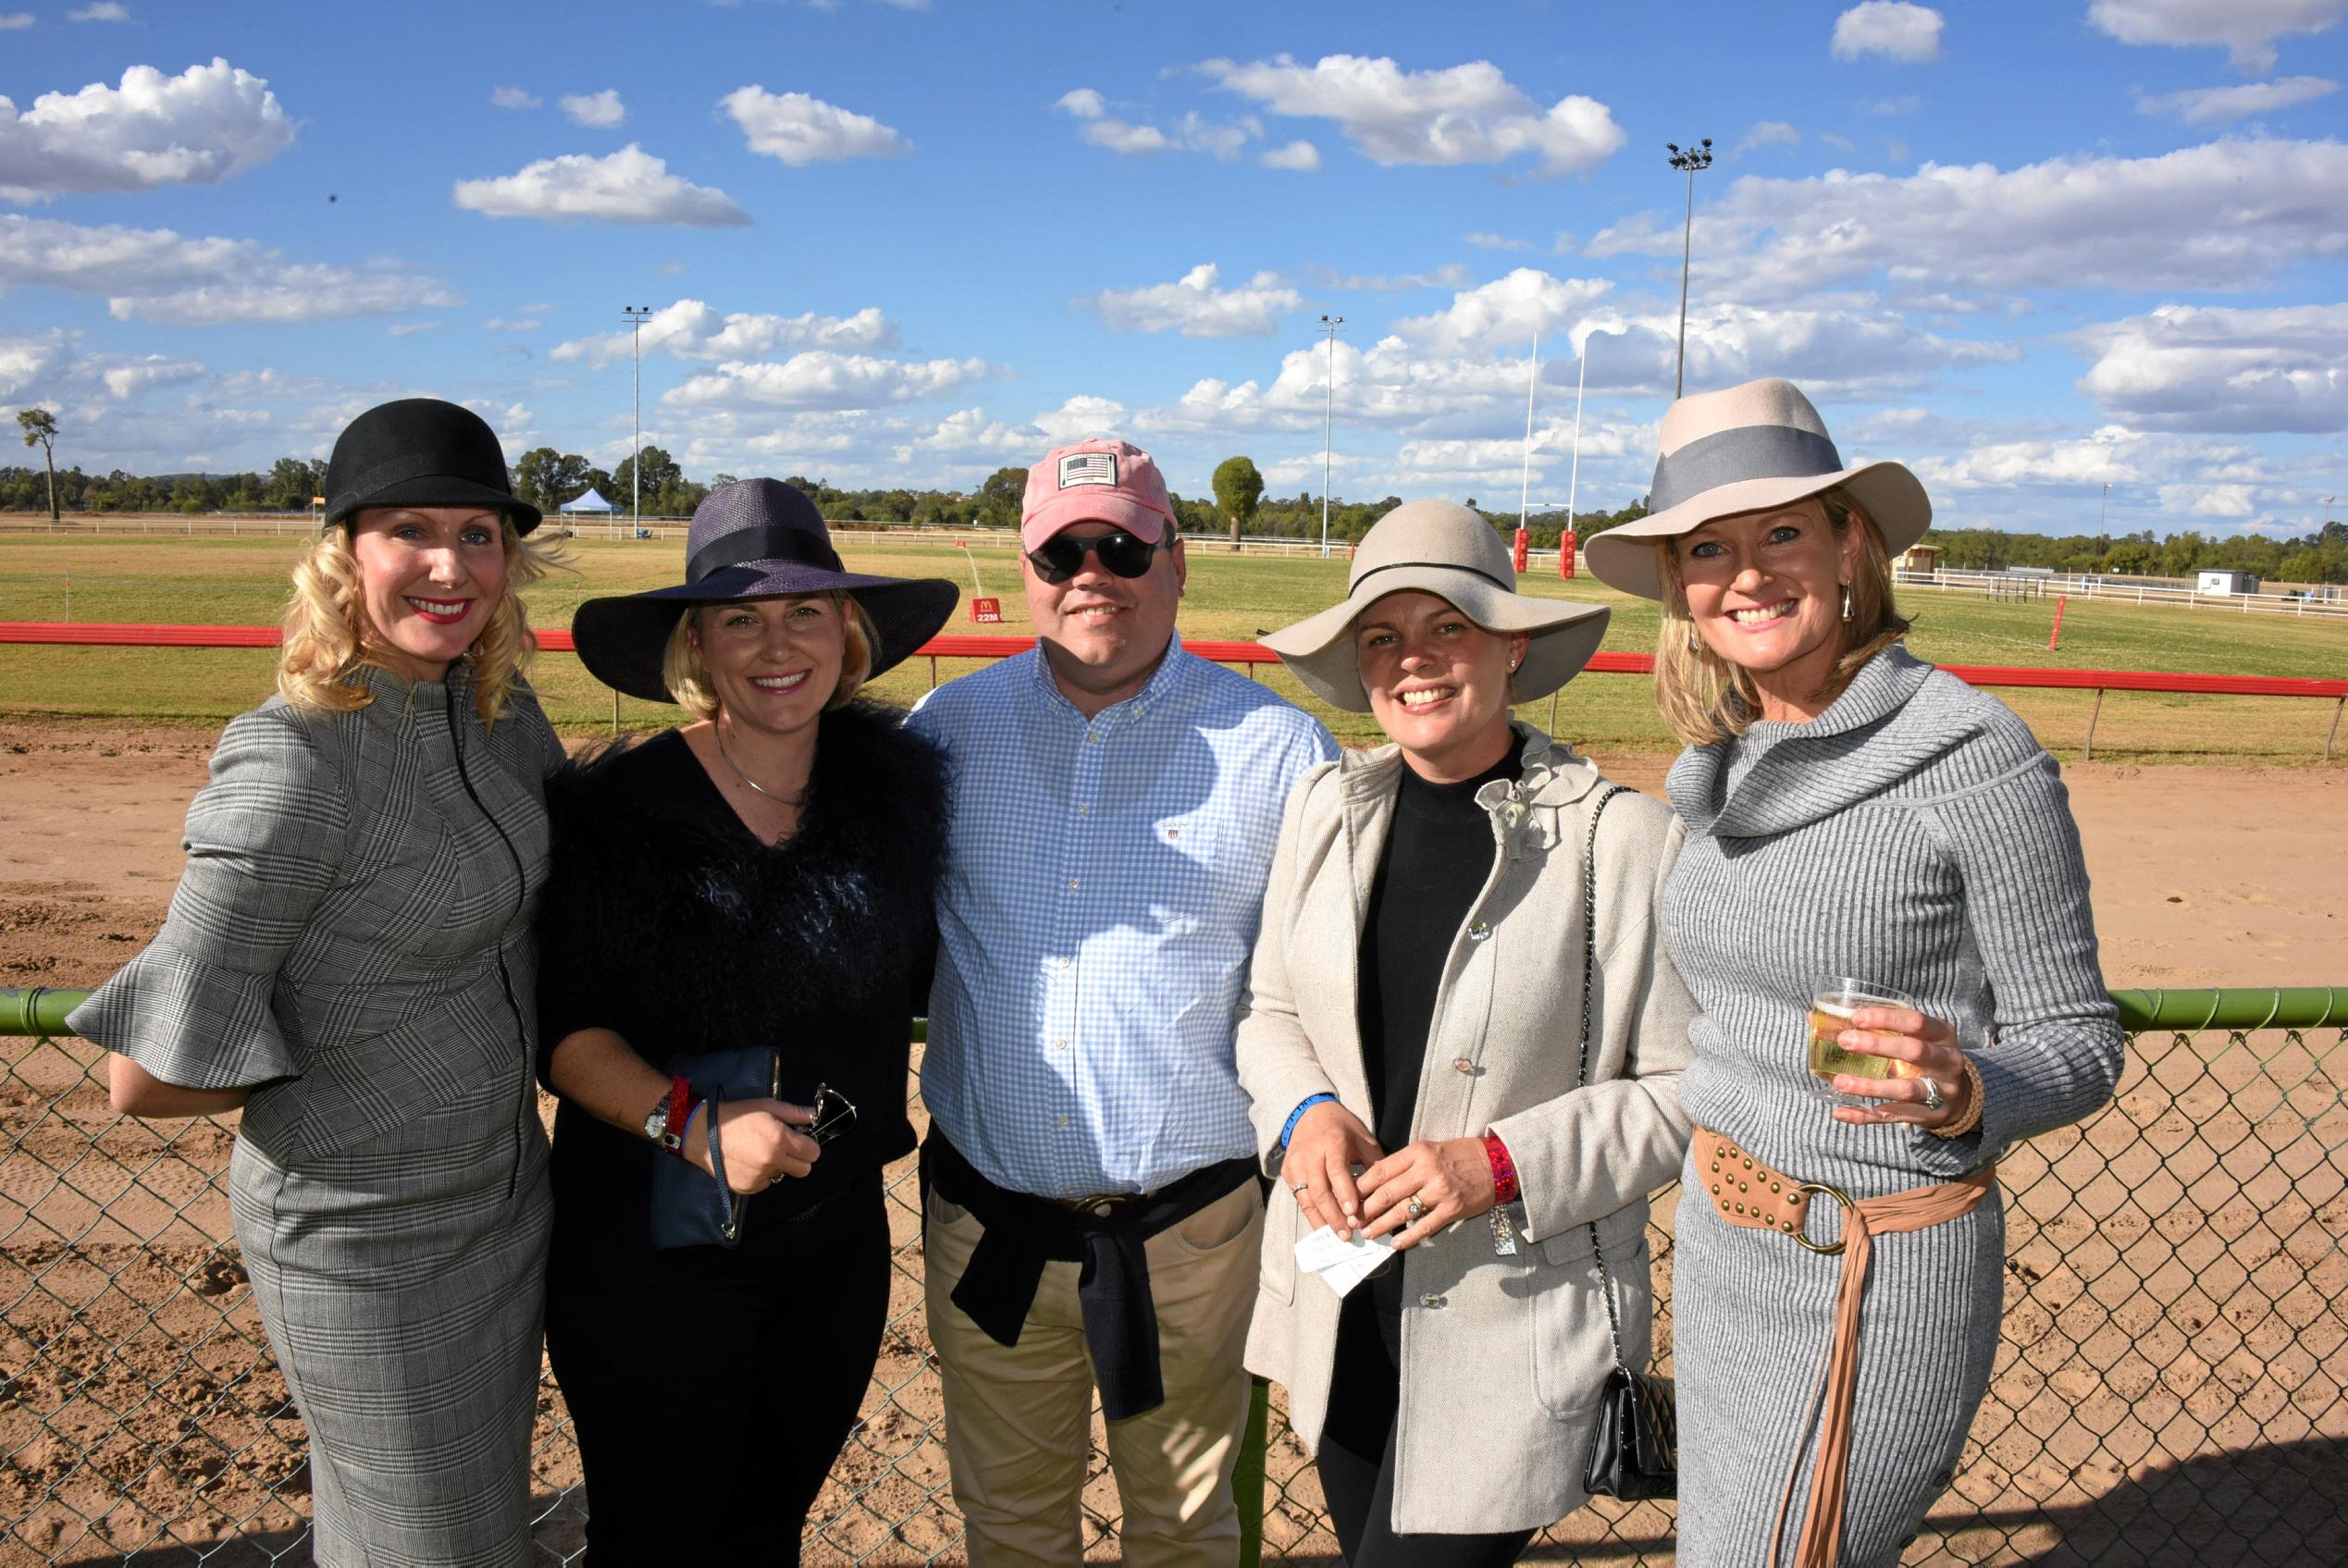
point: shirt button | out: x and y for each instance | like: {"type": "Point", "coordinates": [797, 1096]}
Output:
{"type": "Point", "coordinates": [1071, 884]}
{"type": "Point", "coordinates": [1091, 737]}
{"type": "Point", "coordinates": [1478, 932]}
{"type": "Point", "coordinates": [1060, 1045]}
{"type": "Point", "coordinates": [1083, 807]}
{"type": "Point", "coordinates": [1461, 1063]}
{"type": "Point", "coordinates": [1062, 1121]}
{"type": "Point", "coordinates": [1431, 1303]}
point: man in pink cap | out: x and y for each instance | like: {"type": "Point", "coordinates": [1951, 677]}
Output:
{"type": "Point", "coordinates": [1094, 1211]}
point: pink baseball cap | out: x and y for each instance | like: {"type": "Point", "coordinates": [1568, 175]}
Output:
{"type": "Point", "coordinates": [1104, 480]}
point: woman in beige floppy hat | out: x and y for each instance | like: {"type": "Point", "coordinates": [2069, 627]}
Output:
{"type": "Point", "coordinates": [1412, 1016]}
{"type": "Point", "coordinates": [1851, 812]}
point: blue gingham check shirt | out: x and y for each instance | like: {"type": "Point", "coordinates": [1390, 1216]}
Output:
{"type": "Point", "coordinates": [1102, 886]}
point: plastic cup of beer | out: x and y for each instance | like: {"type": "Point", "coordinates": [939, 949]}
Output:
{"type": "Point", "coordinates": [1832, 1004]}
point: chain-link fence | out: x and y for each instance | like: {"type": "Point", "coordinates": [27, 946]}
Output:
{"type": "Point", "coordinates": [2170, 1388]}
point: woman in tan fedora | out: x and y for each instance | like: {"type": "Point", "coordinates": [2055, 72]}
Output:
{"type": "Point", "coordinates": [1859, 824]}
{"type": "Point", "coordinates": [1412, 1016]}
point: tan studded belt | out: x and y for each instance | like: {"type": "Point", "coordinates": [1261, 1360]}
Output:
{"type": "Point", "coordinates": [1744, 1191]}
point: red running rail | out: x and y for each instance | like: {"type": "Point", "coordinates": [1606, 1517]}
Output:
{"type": "Point", "coordinates": [955, 646]}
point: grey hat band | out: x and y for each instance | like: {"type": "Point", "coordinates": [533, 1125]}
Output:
{"type": "Point", "coordinates": [1748, 452]}
{"type": "Point", "coordinates": [1428, 566]}
{"type": "Point", "coordinates": [762, 542]}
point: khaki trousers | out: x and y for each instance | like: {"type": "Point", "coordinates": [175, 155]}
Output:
{"type": "Point", "coordinates": [1018, 1418]}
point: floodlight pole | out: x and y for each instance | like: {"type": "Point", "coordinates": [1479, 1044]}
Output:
{"type": "Point", "coordinates": [1330, 326]}
{"type": "Point", "coordinates": [1695, 158]}
{"type": "Point", "coordinates": [2103, 511]}
{"type": "Point", "coordinates": [1525, 492]}
{"type": "Point", "coordinates": [636, 316]}
{"type": "Point", "coordinates": [1574, 482]}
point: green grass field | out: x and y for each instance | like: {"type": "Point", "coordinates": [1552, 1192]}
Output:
{"type": "Point", "coordinates": [230, 581]}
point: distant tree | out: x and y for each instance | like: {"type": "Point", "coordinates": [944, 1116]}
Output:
{"type": "Point", "coordinates": [545, 479]}
{"type": "Point", "coordinates": [1237, 486]}
{"type": "Point", "coordinates": [656, 469]}
{"type": "Point", "coordinates": [1000, 496]}
{"type": "Point", "coordinates": [40, 428]}
{"type": "Point", "coordinates": [292, 482]}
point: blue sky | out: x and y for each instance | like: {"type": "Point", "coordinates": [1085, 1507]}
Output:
{"type": "Point", "coordinates": [2030, 247]}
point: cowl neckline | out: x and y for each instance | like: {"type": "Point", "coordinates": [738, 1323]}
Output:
{"type": "Point", "coordinates": [1869, 739]}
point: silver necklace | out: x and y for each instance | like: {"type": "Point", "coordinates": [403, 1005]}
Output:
{"type": "Point", "coordinates": [796, 802]}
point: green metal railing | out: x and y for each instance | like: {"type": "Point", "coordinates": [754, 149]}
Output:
{"type": "Point", "coordinates": [2171, 1385]}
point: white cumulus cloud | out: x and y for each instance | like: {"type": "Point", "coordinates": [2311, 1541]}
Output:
{"type": "Point", "coordinates": [1197, 308]}
{"type": "Point", "coordinates": [2223, 105]}
{"type": "Point", "coordinates": [157, 275]}
{"type": "Point", "coordinates": [1893, 28]}
{"type": "Point", "coordinates": [799, 129]}
{"type": "Point", "coordinates": [1192, 134]}
{"type": "Point", "coordinates": [13, 21]}
{"type": "Point", "coordinates": [2246, 29]}
{"type": "Point", "coordinates": [821, 379]}
{"type": "Point", "coordinates": [1299, 156]}
{"type": "Point", "coordinates": [102, 11]}
{"type": "Point", "coordinates": [197, 128]}
{"type": "Point", "coordinates": [2228, 214]}
{"type": "Point", "coordinates": [2186, 367]}
{"type": "Point", "coordinates": [514, 98]}
{"type": "Point", "coordinates": [598, 111]}
{"type": "Point", "coordinates": [1768, 133]}
{"type": "Point", "coordinates": [1468, 114]}
{"type": "Point", "coordinates": [628, 186]}
{"type": "Point", "coordinates": [691, 329]}
{"type": "Point", "coordinates": [1506, 311]}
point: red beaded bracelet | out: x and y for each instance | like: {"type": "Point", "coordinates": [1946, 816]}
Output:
{"type": "Point", "coordinates": [681, 1103]}
{"type": "Point", "coordinates": [1504, 1169]}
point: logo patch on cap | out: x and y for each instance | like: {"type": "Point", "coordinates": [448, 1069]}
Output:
{"type": "Point", "coordinates": [1088, 468]}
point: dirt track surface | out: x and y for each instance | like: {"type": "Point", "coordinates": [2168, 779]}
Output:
{"type": "Point", "coordinates": [2162, 1393]}
{"type": "Point", "coordinates": [2203, 876]}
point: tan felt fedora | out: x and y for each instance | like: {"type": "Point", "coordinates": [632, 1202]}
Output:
{"type": "Point", "coordinates": [1442, 548]}
{"type": "Point", "coordinates": [1743, 449]}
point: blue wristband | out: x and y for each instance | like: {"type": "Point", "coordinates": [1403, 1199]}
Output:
{"type": "Point", "coordinates": [1298, 1115]}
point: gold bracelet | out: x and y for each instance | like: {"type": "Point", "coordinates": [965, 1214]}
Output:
{"type": "Point", "coordinates": [1973, 1114]}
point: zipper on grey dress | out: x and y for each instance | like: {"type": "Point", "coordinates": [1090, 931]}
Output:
{"type": "Point", "coordinates": [506, 979]}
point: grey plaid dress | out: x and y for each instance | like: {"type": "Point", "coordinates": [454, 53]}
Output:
{"type": "Point", "coordinates": [352, 940]}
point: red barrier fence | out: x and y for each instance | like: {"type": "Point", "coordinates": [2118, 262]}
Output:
{"type": "Point", "coordinates": [106, 634]}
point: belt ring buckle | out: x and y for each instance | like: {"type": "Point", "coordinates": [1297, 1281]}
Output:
{"type": "Point", "coordinates": [1828, 1248]}
{"type": "Point", "coordinates": [1100, 1205]}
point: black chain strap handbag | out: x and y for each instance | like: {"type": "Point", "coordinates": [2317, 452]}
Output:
{"type": "Point", "coordinates": [1634, 1445]}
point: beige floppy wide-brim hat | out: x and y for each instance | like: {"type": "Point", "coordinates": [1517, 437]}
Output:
{"type": "Point", "coordinates": [1442, 548]}
{"type": "Point", "coordinates": [1746, 449]}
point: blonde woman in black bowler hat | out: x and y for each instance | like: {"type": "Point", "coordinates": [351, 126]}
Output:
{"type": "Point", "coordinates": [1416, 1014]}
{"type": "Point", "coordinates": [347, 960]}
{"type": "Point", "coordinates": [758, 877]}
{"type": "Point", "coordinates": [1853, 814]}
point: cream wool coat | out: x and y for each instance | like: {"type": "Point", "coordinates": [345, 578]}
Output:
{"type": "Point", "coordinates": [1502, 1357]}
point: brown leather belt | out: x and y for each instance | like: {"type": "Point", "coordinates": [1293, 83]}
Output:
{"type": "Point", "coordinates": [1745, 1192]}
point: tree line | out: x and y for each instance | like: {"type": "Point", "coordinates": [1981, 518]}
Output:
{"type": "Point", "coordinates": [1238, 507]}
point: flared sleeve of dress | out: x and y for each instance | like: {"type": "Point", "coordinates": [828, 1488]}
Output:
{"type": "Point", "coordinates": [265, 840]}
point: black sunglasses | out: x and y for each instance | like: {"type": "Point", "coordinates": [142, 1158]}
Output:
{"type": "Point", "coordinates": [833, 1115]}
{"type": "Point", "coordinates": [1121, 554]}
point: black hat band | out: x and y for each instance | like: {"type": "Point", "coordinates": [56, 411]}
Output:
{"type": "Point", "coordinates": [764, 541]}
{"type": "Point", "coordinates": [1730, 457]}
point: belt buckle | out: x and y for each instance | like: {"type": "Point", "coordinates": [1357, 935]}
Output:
{"type": "Point", "coordinates": [1100, 1205]}
{"type": "Point", "coordinates": [1827, 1248]}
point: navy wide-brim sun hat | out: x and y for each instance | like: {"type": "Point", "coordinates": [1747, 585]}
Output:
{"type": "Point", "coordinates": [420, 452]}
{"type": "Point", "coordinates": [754, 538]}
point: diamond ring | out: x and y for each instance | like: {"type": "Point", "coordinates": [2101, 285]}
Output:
{"type": "Point", "coordinates": [1415, 1209]}
{"type": "Point", "coordinates": [1933, 1099]}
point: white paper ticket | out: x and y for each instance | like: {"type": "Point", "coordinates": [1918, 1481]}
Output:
{"type": "Point", "coordinates": [1341, 1265]}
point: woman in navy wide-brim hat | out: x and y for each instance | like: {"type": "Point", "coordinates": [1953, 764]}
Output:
{"type": "Point", "coordinates": [759, 877]}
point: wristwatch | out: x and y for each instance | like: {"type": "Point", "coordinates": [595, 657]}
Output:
{"type": "Point", "coordinates": [656, 1125]}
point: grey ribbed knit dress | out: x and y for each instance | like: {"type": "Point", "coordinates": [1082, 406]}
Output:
{"type": "Point", "coordinates": [1914, 835]}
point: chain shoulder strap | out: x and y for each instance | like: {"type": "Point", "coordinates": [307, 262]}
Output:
{"type": "Point", "coordinates": [1581, 1076]}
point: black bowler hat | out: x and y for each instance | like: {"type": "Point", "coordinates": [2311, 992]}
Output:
{"type": "Point", "coordinates": [420, 452]}
{"type": "Point", "coordinates": [754, 538]}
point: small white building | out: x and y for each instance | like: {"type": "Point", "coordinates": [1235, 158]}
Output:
{"type": "Point", "coordinates": [2226, 583]}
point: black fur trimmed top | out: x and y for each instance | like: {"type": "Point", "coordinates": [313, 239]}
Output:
{"type": "Point", "coordinates": [667, 921]}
